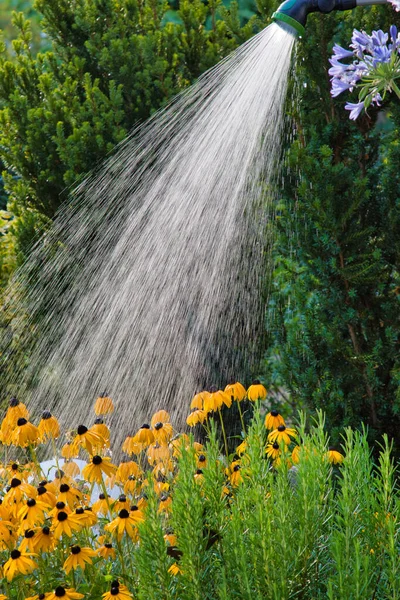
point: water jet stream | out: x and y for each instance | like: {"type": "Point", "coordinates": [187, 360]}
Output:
{"type": "Point", "coordinates": [148, 285]}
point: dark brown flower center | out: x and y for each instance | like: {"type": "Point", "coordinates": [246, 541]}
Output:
{"type": "Point", "coordinates": [274, 413]}
{"type": "Point", "coordinates": [31, 502]}
{"type": "Point", "coordinates": [75, 550]}
{"type": "Point", "coordinates": [62, 516]}
{"type": "Point", "coordinates": [82, 429]}
{"type": "Point", "coordinates": [123, 514]}
{"type": "Point", "coordinates": [145, 426]}
{"type": "Point", "coordinates": [60, 592]}
{"type": "Point", "coordinates": [46, 415]}
{"type": "Point", "coordinates": [97, 460]}
{"type": "Point", "coordinates": [281, 428]}
{"type": "Point", "coordinates": [21, 421]}
{"type": "Point", "coordinates": [15, 482]}
{"type": "Point", "coordinates": [15, 554]}
{"type": "Point", "coordinates": [29, 533]}
{"type": "Point", "coordinates": [158, 425]}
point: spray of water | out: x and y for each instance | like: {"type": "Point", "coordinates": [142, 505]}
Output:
{"type": "Point", "coordinates": [148, 286]}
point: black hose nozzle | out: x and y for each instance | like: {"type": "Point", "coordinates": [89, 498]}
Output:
{"type": "Point", "coordinates": [294, 12]}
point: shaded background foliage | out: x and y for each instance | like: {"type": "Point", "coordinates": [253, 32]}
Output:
{"type": "Point", "coordinates": [73, 85]}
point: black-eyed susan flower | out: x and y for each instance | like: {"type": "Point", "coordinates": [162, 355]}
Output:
{"type": "Point", "coordinates": [16, 492]}
{"type": "Point", "coordinates": [18, 563]}
{"type": "Point", "coordinates": [71, 469]}
{"type": "Point", "coordinates": [41, 596]}
{"type": "Point", "coordinates": [66, 593]}
{"type": "Point", "coordinates": [273, 450]}
{"type": "Point", "coordinates": [69, 495]}
{"type": "Point", "coordinates": [117, 592]}
{"type": "Point", "coordinates": [144, 436]}
{"type": "Point", "coordinates": [70, 450]}
{"type": "Point", "coordinates": [85, 516]}
{"type": "Point", "coordinates": [201, 461]}
{"type": "Point", "coordinates": [123, 523]}
{"type": "Point", "coordinates": [16, 469]}
{"type": "Point", "coordinates": [182, 441]}
{"type": "Point", "coordinates": [27, 543]}
{"type": "Point", "coordinates": [175, 569]}
{"type": "Point", "coordinates": [199, 476]}
{"type": "Point", "coordinates": [25, 434]}
{"type": "Point", "coordinates": [242, 448]}
{"type": "Point", "coordinates": [198, 400]}
{"type": "Point", "coordinates": [196, 417]}
{"type": "Point", "coordinates": [48, 426]}
{"type": "Point", "coordinates": [234, 473]}
{"type": "Point", "coordinates": [334, 456]}
{"type": "Point", "coordinates": [165, 504]}
{"type": "Point", "coordinates": [107, 551]}
{"type": "Point", "coordinates": [31, 513]}
{"type": "Point", "coordinates": [216, 400]}
{"type": "Point", "coordinates": [46, 497]}
{"type": "Point", "coordinates": [236, 391]}
{"type": "Point", "coordinates": [273, 420]}
{"type": "Point", "coordinates": [126, 469]}
{"type": "Point", "coordinates": [103, 405]}
{"type": "Point", "coordinates": [93, 472]}
{"type": "Point", "coordinates": [79, 557]}
{"type": "Point", "coordinates": [87, 439]}
{"type": "Point", "coordinates": [131, 485]}
{"type": "Point", "coordinates": [44, 540]}
{"type": "Point", "coordinates": [256, 391]}
{"type": "Point", "coordinates": [130, 446]}
{"type": "Point", "coordinates": [101, 506]}
{"type": "Point", "coordinates": [65, 524]}
{"type": "Point", "coordinates": [296, 455]}
{"type": "Point", "coordinates": [163, 432]}
{"type": "Point", "coordinates": [101, 429]}
{"type": "Point", "coordinates": [121, 503]}
{"type": "Point", "coordinates": [282, 434]}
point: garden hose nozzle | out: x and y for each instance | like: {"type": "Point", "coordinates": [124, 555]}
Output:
{"type": "Point", "coordinates": [294, 12]}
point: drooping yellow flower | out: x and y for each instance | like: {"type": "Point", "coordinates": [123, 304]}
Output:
{"type": "Point", "coordinates": [126, 469]}
{"type": "Point", "coordinates": [66, 593]}
{"type": "Point", "coordinates": [216, 400]}
{"type": "Point", "coordinates": [85, 516]}
{"type": "Point", "coordinates": [27, 543]}
{"type": "Point", "coordinates": [103, 405]}
{"type": "Point", "coordinates": [19, 562]}
{"type": "Point", "coordinates": [165, 505]}
{"type": "Point", "coordinates": [130, 446]}
{"type": "Point", "coordinates": [69, 495]}
{"type": "Point", "coordinates": [46, 497]}
{"type": "Point", "coordinates": [101, 429]}
{"type": "Point", "coordinates": [241, 449]}
{"type": "Point", "coordinates": [182, 441]}
{"type": "Point", "coordinates": [93, 472]}
{"type": "Point", "coordinates": [44, 540]}
{"type": "Point", "coordinates": [70, 450]}
{"type": "Point", "coordinates": [234, 474]}
{"type": "Point", "coordinates": [198, 400]}
{"type": "Point", "coordinates": [107, 551]}
{"type": "Point", "coordinates": [25, 434]}
{"type": "Point", "coordinates": [334, 456]}
{"type": "Point", "coordinates": [296, 455]}
{"type": "Point", "coordinates": [121, 503]}
{"type": "Point", "coordinates": [87, 439]}
{"type": "Point", "coordinates": [18, 491]}
{"type": "Point", "coordinates": [48, 426]}
{"type": "Point", "coordinates": [144, 436]}
{"type": "Point", "coordinates": [175, 569]}
{"type": "Point", "coordinates": [101, 506]}
{"type": "Point", "coordinates": [282, 434]}
{"type": "Point", "coordinates": [157, 453]}
{"type": "Point", "coordinates": [163, 432]}
{"type": "Point", "coordinates": [256, 391]}
{"type": "Point", "coordinates": [273, 420]}
{"type": "Point", "coordinates": [71, 469]}
{"type": "Point", "coordinates": [124, 523]}
{"type": "Point", "coordinates": [201, 461]}
{"type": "Point", "coordinates": [197, 416]}
{"type": "Point", "coordinates": [32, 513]}
{"type": "Point", "coordinates": [236, 391]}
{"type": "Point", "coordinates": [79, 557]}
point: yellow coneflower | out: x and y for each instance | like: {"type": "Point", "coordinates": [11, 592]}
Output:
{"type": "Point", "coordinates": [107, 551]}
{"type": "Point", "coordinates": [16, 491]}
{"type": "Point", "coordinates": [64, 523]}
{"type": "Point", "coordinates": [144, 436]}
{"type": "Point", "coordinates": [165, 505]}
{"type": "Point", "coordinates": [101, 506]}
{"type": "Point", "coordinates": [60, 506]}
{"type": "Point", "coordinates": [35, 597]}
{"type": "Point", "coordinates": [198, 400]}
{"type": "Point", "coordinates": [117, 592]}
{"type": "Point", "coordinates": [282, 434]}
{"type": "Point", "coordinates": [163, 432]}
{"type": "Point", "coordinates": [48, 426]}
{"type": "Point", "coordinates": [216, 400]}
{"type": "Point", "coordinates": [93, 472]}
{"type": "Point", "coordinates": [124, 523]}
{"type": "Point", "coordinates": [71, 469]}
{"type": "Point", "coordinates": [234, 474]}
{"type": "Point", "coordinates": [241, 449]}
{"type": "Point", "coordinates": [199, 476]}
{"type": "Point", "coordinates": [71, 496]}
{"type": "Point", "coordinates": [50, 486]}
{"type": "Point", "coordinates": [19, 562]}
{"type": "Point", "coordinates": [16, 409]}
{"type": "Point", "coordinates": [256, 391]}
{"type": "Point", "coordinates": [160, 487]}
{"type": "Point", "coordinates": [126, 469]}
{"type": "Point", "coordinates": [6, 527]}
{"type": "Point", "coordinates": [131, 485]}
{"type": "Point", "coordinates": [170, 539]}
{"type": "Point", "coordinates": [273, 450]}
{"type": "Point", "coordinates": [46, 497]}
{"type": "Point", "coordinates": [79, 557]}
{"type": "Point", "coordinates": [70, 450]}
{"type": "Point", "coordinates": [130, 446]}
{"type": "Point", "coordinates": [44, 540]}
{"type": "Point", "coordinates": [121, 503]}
{"type": "Point", "coordinates": [15, 469]}
{"type": "Point", "coordinates": [66, 593]}
{"type": "Point", "coordinates": [236, 391]}
{"type": "Point", "coordinates": [273, 420]}
{"type": "Point", "coordinates": [201, 461]}
{"type": "Point", "coordinates": [32, 513]}
{"type": "Point", "coordinates": [334, 456]}
{"type": "Point", "coordinates": [296, 455]}
{"type": "Point", "coordinates": [196, 417]}
{"type": "Point", "coordinates": [175, 569]}
{"type": "Point", "coordinates": [25, 434]}
{"type": "Point", "coordinates": [87, 439]}
{"type": "Point", "coordinates": [101, 429]}
{"type": "Point", "coordinates": [28, 544]}
{"type": "Point", "coordinates": [162, 469]}
{"type": "Point", "coordinates": [103, 405]}
{"type": "Point", "coordinates": [85, 516]}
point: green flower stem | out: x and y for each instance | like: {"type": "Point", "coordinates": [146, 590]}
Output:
{"type": "Point", "coordinates": [241, 417]}
{"type": "Point", "coordinates": [223, 432]}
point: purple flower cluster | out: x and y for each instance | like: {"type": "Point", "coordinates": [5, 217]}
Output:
{"type": "Point", "coordinates": [368, 51]}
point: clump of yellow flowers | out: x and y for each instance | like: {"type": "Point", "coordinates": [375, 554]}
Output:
{"type": "Point", "coordinates": [73, 532]}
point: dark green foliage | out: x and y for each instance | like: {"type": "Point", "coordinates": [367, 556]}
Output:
{"type": "Point", "coordinates": [334, 310]}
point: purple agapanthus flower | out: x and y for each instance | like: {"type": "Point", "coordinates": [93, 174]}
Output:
{"type": "Point", "coordinates": [367, 53]}
{"type": "Point", "coordinates": [355, 109]}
